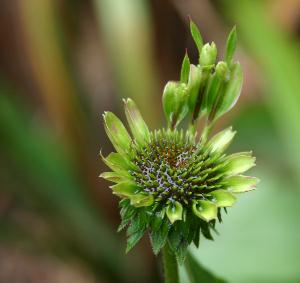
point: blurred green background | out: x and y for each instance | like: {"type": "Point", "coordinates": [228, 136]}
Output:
{"type": "Point", "coordinates": [62, 63]}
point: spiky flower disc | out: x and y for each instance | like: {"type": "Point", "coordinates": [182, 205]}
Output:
{"type": "Point", "coordinates": [174, 183]}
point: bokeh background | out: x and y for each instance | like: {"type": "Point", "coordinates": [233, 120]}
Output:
{"type": "Point", "coordinates": [62, 63]}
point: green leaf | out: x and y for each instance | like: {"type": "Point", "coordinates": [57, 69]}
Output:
{"type": "Point", "coordinates": [238, 163]}
{"type": "Point", "coordinates": [125, 189]}
{"type": "Point", "coordinates": [136, 122]}
{"type": "Point", "coordinates": [196, 36]}
{"type": "Point", "coordinates": [208, 54]}
{"type": "Point", "coordinates": [197, 273]}
{"type": "Point", "coordinates": [219, 142]}
{"type": "Point", "coordinates": [240, 183]}
{"type": "Point", "coordinates": [232, 91]}
{"type": "Point", "coordinates": [159, 237]}
{"type": "Point", "coordinates": [205, 210]}
{"type": "Point", "coordinates": [133, 239]}
{"type": "Point", "coordinates": [223, 198]}
{"type": "Point", "coordinates": [231, 45]}
{"type": "Point", "coordinates": [117, 133]}
{"type": "Point", "coordinates": [185, 69]}
{"type": "Point", "coordinates": [174, 211]}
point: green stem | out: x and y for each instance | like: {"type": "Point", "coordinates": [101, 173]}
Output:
{"type": "Point", "coordinates": [170, 265]}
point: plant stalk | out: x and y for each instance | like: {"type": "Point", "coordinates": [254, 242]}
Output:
{"type": "Point", "coordinates": [170, 265]}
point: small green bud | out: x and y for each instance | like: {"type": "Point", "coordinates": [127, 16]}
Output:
{"type": "Point", "coordinates": [136, 122]}
{"type": "Point", "coordinates": [222, 71]}
{"type": "Point", "coordinates": [116, 132]}
{"type": "Point", "coordinates": [174, 211]}
{"type": "Point", "coordinates": [193, 86]}
{"type": "Point", "coordinates": [205, 210]}
{"type": "Point", "coordinates": [208, 54]}
{"type": "Point", "coordinates": [175, 102]}
{"type": "Point", "coordinates": [219, 142]}
{"type": "Point", "coordinates": [223, 198]}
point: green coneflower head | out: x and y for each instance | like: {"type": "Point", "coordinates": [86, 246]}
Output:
{"type": "Point", "coordinates": [174, 183]}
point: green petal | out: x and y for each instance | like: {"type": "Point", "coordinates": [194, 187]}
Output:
{"type": "Point", "coordinates": [223, 198]}
{"type": "Point", "coordinates": [221, 141]}
{"type": "Point", "coordinates": [196, 36]}
{"type": "Point", "coordinates": [125, 189]}
{"type": "Point", "coordinates": [240, 183]}
{"type": "Point", "coordinates": [141, 199]}
{"type": "Point", "coordinates": [174, 211]}
{"type": "Point", "coordinates": [116, 132]}
{"type": "Point", "coordinates": [185, 69]}
{"type": "Point", "coordinates": [136, 122]}
{"type": "Point", "coordinates": [205, 210]}
{"type": "Point", "coordinates": [232, 91]}
{"type": "Point", "coordinates": [115, 177]}
{"type": "Point", "coordinates": [238, 163]}
{"type": "Point", "coordinates": [117, 162]}
{"type": "Point", "coordinates": [231, 45]}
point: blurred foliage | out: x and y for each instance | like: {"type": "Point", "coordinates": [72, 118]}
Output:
{"type": "Point", "coordinates": [63, 62]}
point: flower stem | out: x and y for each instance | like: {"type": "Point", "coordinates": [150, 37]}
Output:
{"type": "Point", "coordinates": [170, 265]}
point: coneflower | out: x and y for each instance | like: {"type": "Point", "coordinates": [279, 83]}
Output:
{"type": "Point", "coordinates": [175, 183]}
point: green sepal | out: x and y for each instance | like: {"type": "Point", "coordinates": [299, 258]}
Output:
{"type": "Point", "coordinates": [185, 69]}
{"type": "Point", "coordinates": [125, 189]}
{"type": "Point", "coordinates": [115, 177]}
{"type": "Point", "coordinates": [208, 55]}
{"type": "Point", "coordinates": [136, 122]}
{"type": "Point", "coordinates": [238, 163]}
{"type": "Point", "coordinates": [196, 36]}
{"type": "Point", "coordinates": [223, 198]}
{"type": "Point", "coordinates": [141, 199]}
{"type": "Point", "coordinates": [231, 45]}
{"type": "Point", "coordinates": [175, 102]}
{"type": "Point", "coordinates": [117, 133]}
{"type": "Point", "coordinates": [193, 86]}
{"type": "Point", "coordinates": [127, 213]}
{"type": "Point", "coordinates": [240, 183]}
{"type": "Point", "coordinates": [205, 210]}
{"type": "Point", "coordinates": [231, 91]}
{"type": "Point", "coordinates": [133, 239]}
{"type": "Point", "coordinates": [174, 211]}
{"type": "Point", "coordinates": [219, 142]}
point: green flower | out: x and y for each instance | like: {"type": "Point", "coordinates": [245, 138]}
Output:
{"type": "Point", "coordinates": [175, 183]}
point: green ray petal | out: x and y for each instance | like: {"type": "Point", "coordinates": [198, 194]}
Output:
{"type": "Point", "coordinates": [238, 163]}
{"type": "Point", "coordinates": [117, 133]}
{"type": "Point", "coordinates": [223, 198]}
{"type": "Point", "coordinates": [136, 122]}
{"type": "Point", "coordinates": [174, 211]}
{"type": "Point", "coordinates": [240, 183]}
{"type": "Point", "coordinates": [125, 189]}
{"type": "Point", "coordinates": [219, 142]}
{"type": "Point", "coordinates": [115, 177]}
{"type": "Point", "coordinates": [117, 162]}
{"type": "Point", "coordinates": [205, 210]}
{"type": "Point", "coordinates": [141, 199]}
